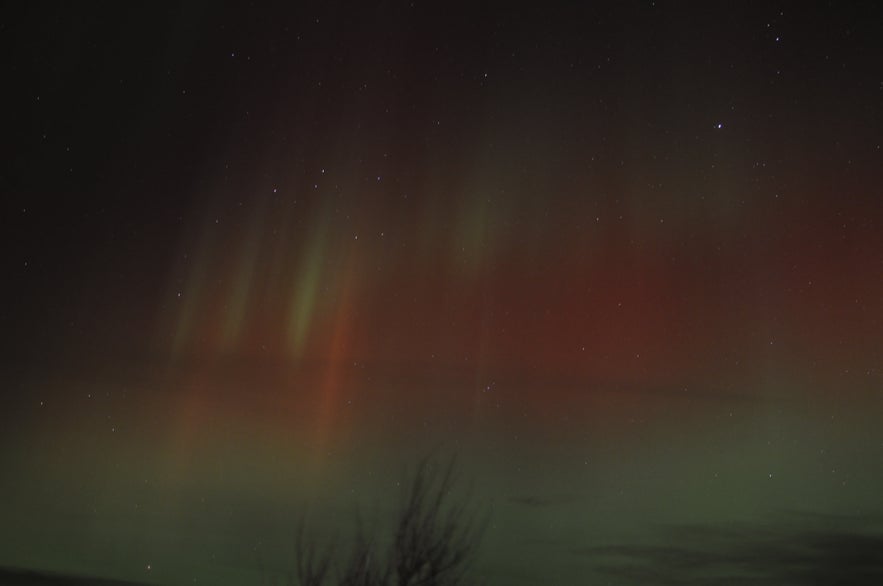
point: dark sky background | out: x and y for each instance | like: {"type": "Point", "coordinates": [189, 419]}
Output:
{"type": "Point", "coordinates": [624, 259]}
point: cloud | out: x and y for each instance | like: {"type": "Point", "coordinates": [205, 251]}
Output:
{"type": "Point", "coordinates": [805, 550]}
{"type": "Point", "coordinates": [24, 577]}
{"type": "Point", "coordinates": [539, 501]}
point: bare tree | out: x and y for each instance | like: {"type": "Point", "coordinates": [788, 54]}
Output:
{"type": "Point", "coordinates": [434, 539]}
{"type": "Point", "coordinates": [312, 565]}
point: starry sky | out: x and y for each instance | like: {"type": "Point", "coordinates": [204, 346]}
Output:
{"type": "Point", "coordinates": [625, 260]}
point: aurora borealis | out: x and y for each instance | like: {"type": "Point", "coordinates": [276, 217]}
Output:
{"type": "Point", "coordinates": [625, 260]}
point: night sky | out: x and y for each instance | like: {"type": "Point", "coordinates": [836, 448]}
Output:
{"type": "Point", "coordinates": [625, 260]}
